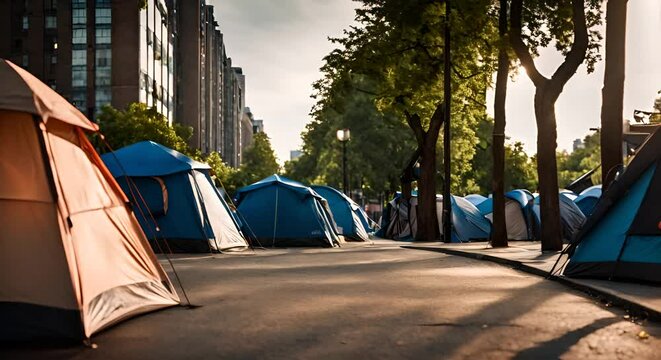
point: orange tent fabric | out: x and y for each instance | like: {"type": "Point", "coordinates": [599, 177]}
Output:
{"type": "Point", "coordinates": [73, 256]}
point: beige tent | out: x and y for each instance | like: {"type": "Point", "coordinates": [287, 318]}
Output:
{"type": "Point", "coordinates": [73, 258]}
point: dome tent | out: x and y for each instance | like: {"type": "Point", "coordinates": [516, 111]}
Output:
{"type": "Point", "coordinates": [351, 220]}
{"type": "Point", "coordinates": [517, 216]}
{"type": "Point", "coordinates": [622, 237]}
{"type": "Point", "coordinates": [74, 256]}
{"type": "Point", "coordinates": [179, 194]}
{"type": "Point", "coordinates": [588, 198]}
{"type": "Point", "coordinates": [571, 217]}
{"type": "Point", "coordinates": [282, 212]}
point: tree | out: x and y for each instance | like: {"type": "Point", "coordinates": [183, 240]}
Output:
{"type": "Point", "coordinates": [499, 230]}
{"type": "Point", "coordinates": [549, 89]}
{"type": "Point", "coordinates": [520, 169]}
{"type": "Point", "coordinates": [138, 122]}
{"type": "Point", "coordinates": [400, 46]}
{"type": "Point", "coordinates": [258, 160]}
{"type": "Point", "coordinates": [613, 91]}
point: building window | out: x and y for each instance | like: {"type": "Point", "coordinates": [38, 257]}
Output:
{"type": "Point", "coordinates": [51, 22]}
{"type": "Point", "coordinates": [103, 96]}
{"type": "Point", "coordinates": [103, 67]}
{"type": "Point", "coordinates": [79, 16]}
{"type": "Point", "coordinates": [103, 16]}
{"type": "Point", "coordinates": [79, 36]}
{"type": "Point", "coordinates": [79, 99]}
{"type": "Point", "coordinates": [53, 59]}
{"type": "Point", "coordinates": [103, 36]}
{"type": "Point", "coordinates": [26, 23]}
{"type": "Point", "coordinates": [79, 76]}
{"type": "Point", "coordinates": [79, 57]}
{"type": "Point", "coordinates": [78, 4]}
{"type": "Point", "coordinates": [25, 60]}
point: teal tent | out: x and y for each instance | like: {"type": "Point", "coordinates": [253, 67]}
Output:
{"type": "Point", "coordinates": [351, 220]}
{"type": "Point", "coordinates": [622, 237]}
{"type": "Point", "coordinates": [280, 212]}
{"type": "Point", "coordinates": [177, 205]}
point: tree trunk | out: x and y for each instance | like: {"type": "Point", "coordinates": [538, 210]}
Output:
{"type": "Point", "coordinates": [547, 170]}
{"type": "Point", "coordinates": [547, 92]}
{"type": "Point", "coordinates": [613, 91]}
{"type": "Point", "coordinates": [426, 212]}
{"type": "Point", "coordinates": [499, 229]}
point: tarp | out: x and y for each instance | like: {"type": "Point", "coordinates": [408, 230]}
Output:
{"type": "Point", "coordinates": [351, 220]}
{"type": "Point", "coordinates": [622, 237]}
{"type": "Point", "coordinates": [282, 212]}
{"type": "Point", "coordinates": [178, 206]}
{"type": "Point", "coordinates": [73, 257]}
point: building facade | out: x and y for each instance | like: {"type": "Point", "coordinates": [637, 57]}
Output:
{"type": "Point", "coordinates": [169, 54]}
{"type": "Point", "coordinates": [69, 45]}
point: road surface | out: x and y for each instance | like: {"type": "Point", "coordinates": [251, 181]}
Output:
{"type": "Point", "coordinates": [376, 302]}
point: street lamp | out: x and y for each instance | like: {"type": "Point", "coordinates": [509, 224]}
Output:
{"type": "Point", "coordinates": [344, 135]}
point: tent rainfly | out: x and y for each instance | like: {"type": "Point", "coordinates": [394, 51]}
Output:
{"type": "Point", "coordinates": [517, 216]}
{"type": "Point", "coordinates": [175, 193]}
{"type": "Point", "coordinates": [571, 217]}
{"type": "Point", "coordinates": [622, 237]}
{"type": "Point", "coordinates": [351, 220]}
{"type": "Point", "coordinates": [588, 198]}
{"type": "Point", "coordinates": [281, 212]}
{"type": "Point", "coordinates": [73, 257]}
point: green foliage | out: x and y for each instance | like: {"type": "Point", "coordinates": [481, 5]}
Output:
{"type": "Point", "coordinates": [258, 161]}
{"type": "Point", "coordinates": [520, 169]}
{"type": "Point", "coordinates": [139, 123]}
{"type": "Point", "coordinates": [572, 165]}
{"type": "Point", "coordinates": [656, 116]}
{"type": "Point", "coordinates": [390, 65]}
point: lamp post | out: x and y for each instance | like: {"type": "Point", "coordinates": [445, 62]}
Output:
{"type": "Point", "coordinates": [344, 135]}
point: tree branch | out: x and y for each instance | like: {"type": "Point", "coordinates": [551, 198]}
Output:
{"type": "Point", "coordinates": [437, 120]}
{"type": "Point", "coordinates": [464, 77]}
{"type": "Point", "coordinates": [576, 54]}
{"type": "Point", "coordinates": [416, 126]}
{"type": "Point", "coordinates": [520, 48]}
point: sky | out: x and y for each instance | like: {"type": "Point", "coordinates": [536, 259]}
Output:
{"type": "Point", "coordinates": [280, 45]}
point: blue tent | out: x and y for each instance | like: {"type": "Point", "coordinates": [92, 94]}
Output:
{"type": "Point", "coordinates": [517, 214]}
{"type": "Point", "coordinates": [282, 212]}
{"type": "Point", "coordinates": [622, 237]}
{"type": "Point", "coordinates": [588, 198]}
{"type": "Point", "coordinates": [571, 217]}
{"type": "Point", "coordinates": [475, 199]}
{"type": "Point", "coordinates": [351, 220]}
{"type": "Point", "coordinates": [468, 224]}
{"type": "Point", "coordinates": [176, 203]}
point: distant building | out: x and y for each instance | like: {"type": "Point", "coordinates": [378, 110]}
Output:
{"type": "Point", "coordinates": [578, 144]}
{"type": "Point", "coordinates": [246, 132]}
{"type": "Point", "coordinates": [257, 126]}
{"type": "Point", "coordinates": [295, 154]}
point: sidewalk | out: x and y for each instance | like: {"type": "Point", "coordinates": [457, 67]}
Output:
{"type": "Point", "coordinates": [526, 256]}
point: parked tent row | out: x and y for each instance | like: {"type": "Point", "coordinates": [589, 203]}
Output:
{"type": "Point", "coordinates": [399, 220]}
{"type": "Point", "coordinates": [350, 218]}
{"type": "Point", "coordinates": [73, 256]}
{"type": "Point", "coordinates": [517, 215]}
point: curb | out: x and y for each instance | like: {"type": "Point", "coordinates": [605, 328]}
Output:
{"type": "Point", "coordinates": [606, 297]}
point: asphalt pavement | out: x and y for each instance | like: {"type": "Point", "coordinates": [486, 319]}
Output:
{"type": "Point", "coordinates": [374, 302]}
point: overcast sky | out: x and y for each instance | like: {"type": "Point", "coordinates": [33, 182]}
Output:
{"type": "Point", "coordinates": [280, 45]}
